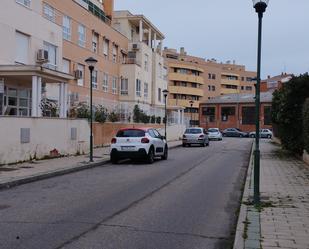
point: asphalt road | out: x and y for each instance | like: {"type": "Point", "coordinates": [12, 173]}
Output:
{"type": "Point", "coordinates": [189, 201]}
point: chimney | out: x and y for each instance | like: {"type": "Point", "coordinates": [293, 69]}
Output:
{"type": "Point", "coordinates": [108, 6]}
{"type": "Point", "coordinates": [182, 51]}
{"type": "Point", "coordinates": [268, 76]}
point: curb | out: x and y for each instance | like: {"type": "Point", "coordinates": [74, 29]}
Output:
{"type": "Point", "coordinates": [60, 172]}
{"type": "Point", "coordinates": [239, 241]}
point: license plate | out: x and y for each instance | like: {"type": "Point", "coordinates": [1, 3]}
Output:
{"type": "Point", "coordinates": [128, 148]}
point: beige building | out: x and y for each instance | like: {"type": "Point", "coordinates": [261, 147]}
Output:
{"type": "Point", "coordinates": [143, 75]}
{"type": "Point", "coordinates": [25, 69]}
{"type": "Point", "coordinates": [87, 32]}
{"type": "Point", "coordinates": [198, 80]}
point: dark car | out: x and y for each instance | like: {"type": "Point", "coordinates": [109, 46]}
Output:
{"type": "Point", "coordinates": [234, 132]}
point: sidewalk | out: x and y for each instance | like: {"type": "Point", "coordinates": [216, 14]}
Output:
{"type": "Point", "coordinates": [283, 219]}
{"type": "Point", "coordinates": [16, 174]}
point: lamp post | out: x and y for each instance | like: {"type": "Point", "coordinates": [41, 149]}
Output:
{"type": "Point", "coordinates": [165, 93]}
{"type": "Point", "coordinates": [260, 7]}
{"type": "Point", "coordinates": [191, 104]}
{"type": "Point", "coordinates": [91, 62]}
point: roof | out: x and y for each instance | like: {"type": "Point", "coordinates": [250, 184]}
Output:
{"type": "Point", "coordinates": [265, 97]}
{"type": "Point", "coordinates": [282, 78]}
{"type": "Point", "coordinates": [139, 128]}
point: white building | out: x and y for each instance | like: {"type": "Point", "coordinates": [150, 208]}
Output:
{"type": "Point", "coordinates": [143, 75]}
{"type": "Point", "coordinates": [30, 58]}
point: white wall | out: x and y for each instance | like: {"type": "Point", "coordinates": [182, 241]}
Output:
{"type": "Point", "coordinates": [14, 16]}
{"type": "Point", "coordinates": [46, 134]}
{"type": "Point", "coordinates": [174, 132]}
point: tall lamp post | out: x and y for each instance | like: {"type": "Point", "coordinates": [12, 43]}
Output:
{"type": "Point", "coordinates": [91, 62]}
{"type": "Point", "coordinates": [191, 104]}
{"type": "Point", "coordinates": [260, 7]}
{"type": "Point", "coordinates": [165, 93]}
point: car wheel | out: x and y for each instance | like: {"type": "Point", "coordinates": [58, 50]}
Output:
{"type": "Point", "coordinates": [207, 144]}
{"type": "Point", "coordinates": [114, 159]}
{"type": "Point", "coordinates": [224, 135]}
{"type": "Point", "coordinates": [268, 136]}
{"type": "Point", "coordinates": [253, 136]}
{"type": "Point", "coordinates": [189, 145]}
{"type": "Point", "coordinates": [183, 145]}
{"type": "Point", "coordinates": [150, 156]}
{"type": "Point", "coordinates": [203, 144]}
{"type": "Point", "coordinates": [165, 156]}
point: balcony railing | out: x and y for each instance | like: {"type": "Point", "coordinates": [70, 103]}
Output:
{"type": "Point", "coordinates": [132, 61]}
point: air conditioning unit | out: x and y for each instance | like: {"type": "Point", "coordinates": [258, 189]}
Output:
{"type": "Point", "coordinates": [42, 56]}
{"type": "Point", "coordinates": [135, 46]}
{"type": "Point", "coordinates": [78, 74]}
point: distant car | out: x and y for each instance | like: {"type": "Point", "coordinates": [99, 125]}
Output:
{"type": "Point", "coordinates": [214, 134]}
{"type": "Point", "coordinates": [264, 133]}
{"type": "Point", "coordinates": [234, 132]}
{"type": "Point", "coordinates": [195, 135]}
{"type": "Point", "coordinates": [138, 143]}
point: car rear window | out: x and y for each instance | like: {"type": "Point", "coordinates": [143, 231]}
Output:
{"type": "Point", "coordinates": [131, 133]}
{"type": "Point", "coordinates": [212, 130]}
{"type": "Point", "coordinates": [193, 131]}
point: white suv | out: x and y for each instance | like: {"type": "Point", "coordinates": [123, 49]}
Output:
{"type": "Point", "coordinates": [137, 143]}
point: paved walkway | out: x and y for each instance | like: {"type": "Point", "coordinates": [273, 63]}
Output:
{"type": "Point", "coordinates": [15, 174]}
{"type": "Point", "coordinates": [283, 221]}
{"type": "Point", "coordinates": [285, 190]}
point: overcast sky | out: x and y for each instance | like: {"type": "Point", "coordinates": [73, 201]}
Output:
{"type": "Point", "coordinates": [227, 30]}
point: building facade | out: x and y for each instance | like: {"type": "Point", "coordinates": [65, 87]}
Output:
{"type": "Point", "coordinates": [25, 69]}
{"type": "Point", "coordinates": [143, 75]}
{"type": "Point", "coordinates": [236, 111]}
{"type": "Point", "coordinates": [276, 82]}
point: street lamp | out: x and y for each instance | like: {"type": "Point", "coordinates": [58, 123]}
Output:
{"type": "Point", "coordinates": [91, 62]}
{"type": "Point", "coordinates": [260, 7]}
{"type": "Point", "coordinates": [165, 93]}
{"type": "Point", "coordinates": [191, 104]}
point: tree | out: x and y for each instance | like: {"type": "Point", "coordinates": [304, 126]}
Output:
{"type": "Point", "coordinates": [136, 114]}
{"type": "Point", "coordinates": [306, 124]}
{"type": "Point", "coordinates": [287, 112]}
{"type": "Point", "coordinates": [100, 114]}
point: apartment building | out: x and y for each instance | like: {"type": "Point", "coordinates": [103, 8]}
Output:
{"type": "Point", "coordinates": [87, 32]}
{"type": "Point", "coordinates": [24, 68]}
{"type": "Point", "coordinates": [143, 75]}
{"type": "Point", "coordinates": [214, 79]}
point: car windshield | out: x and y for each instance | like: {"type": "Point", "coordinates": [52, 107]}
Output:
{"type": "Point", "coordinates": [212, 130]}
{"type": "Point", "coordinates": [193, 131]}
{"type": "Point", "coordinates": [131, 133]}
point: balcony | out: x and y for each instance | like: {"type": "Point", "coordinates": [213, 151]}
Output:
{"type": "Point", "coordinates": [183, 103]}
{"type": "Point", "coordinates": [186, 90]}
{"type": "Point", "coordinates": [228, 91]}
{"type": "Point", "coordinates": [230, 82]}
{"type": "Point", "coordinates": [132, 61]}
{"type": "Point", "coordinates": [186, 78]}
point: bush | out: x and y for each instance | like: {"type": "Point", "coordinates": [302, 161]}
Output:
{"type": "Point", "coordinates": [287, 111]}
{"type": "Point", "coordinates": [100, 114]}
{"type": "Point", "coordinates": [137, 114]}
{"type": "Point", "coordinates": [114, 117]}
{"type": "Point", "coordinates": [158, 120]}
{"type": "Point", "coordinates": [82, 111]}
{"type": "Point", "coordinates": [306, 124]}
{"type": "Point", "coordinates": [153, 119]}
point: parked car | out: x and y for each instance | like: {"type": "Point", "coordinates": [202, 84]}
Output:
{"type": "Point", "coordinates": [264, 133]}
{"type": "Point", "coordinates": [138, 143]}
{"type": "Point", "coordinates": [234, 132]}
{"type": "Point", "coordinates": [214, 134]}
{"type": "Point", "coordinates": [196, 135]}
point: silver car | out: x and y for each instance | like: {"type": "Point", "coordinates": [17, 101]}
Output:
{"type": "Point", "coordinates": [214, 134]}
{"type": "Point", "coordinates": [195, 135]}
{"type": "Point", "coordinates": [264, 133]}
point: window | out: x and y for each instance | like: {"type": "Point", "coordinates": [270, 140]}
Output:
{"type": "Point", "coordinates": [52, 55]}
{"type": "Point", "coordinates": [105, 48]}
{"type": "Point", "coordinates": [95, 40]}
{"type": "Point", "coordinates": [81, 68]}
{"type": "Point", "coordinates": [22, 48]}
{"type": "Point", "coordinates": [65, 66]}
{"type": "Point", "coordinates": [123, 57]}
{"type": "Point", "coordinates": [105, 82]}
{"type": "Point", "coordinates": [115, 53]}
{"type": "Point", "coordinates": [242, 87]}
{"type": "Point", "coordinates": [267, 115]}
{"type": "Point", "coordinates": [114, 85]}
{"type": "Point", "coordinates": [248, 88]}
{"type": "Point", "coordinates": [226, 112]}
{"type": "Point", "coordinates": [211, 76]}
{"type": "Point", "coordinates": [24, 2]}
{"type": "Point", "coordinates": [124, 86]}
{"type": "Point", "coordinates": [81, 35]}
{"type": "Point", "coordinates": [159, 95]}
{"type": "Point", "coordinates": [146, 62]}
{"type": "Point", "coordinates": [160, 70]}
{"type": "Point", "coordinates": [194, 85]}
{"type": "Point", "coordinates": [138, 88]}
{"type": "Point", "coordinates": [210, 113]}
{"type": "Point", "coordinates": [66, 28]}
{"type": "Point", "coordinates": [248, 115]}
{"type": "Point", "coordinates": [95, 79]}
{"type": "Point", "coordinates": [213, 88]}
{"type": "Point", "coordinates": [17, 101]}
{"type": "Point", "coordinates": [49, 12]}
{"type": "Point", "coordinates": [146, 90]}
